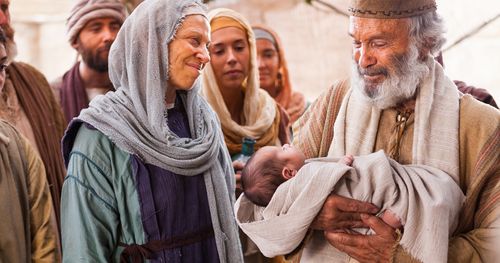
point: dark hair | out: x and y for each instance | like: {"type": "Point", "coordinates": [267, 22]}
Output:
{"type": "Point", "coordinates": [260, 179]}
{"type": "Point", "coordinates": [3, 37]}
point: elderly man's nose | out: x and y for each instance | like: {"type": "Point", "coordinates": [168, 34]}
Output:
{"type": "Point", "coordinates": [365, 58]}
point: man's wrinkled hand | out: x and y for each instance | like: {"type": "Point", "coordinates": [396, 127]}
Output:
{"type": "Point", "coordinates": [340, 212]}
{"type": "Point", "coordinates": [367, 248]}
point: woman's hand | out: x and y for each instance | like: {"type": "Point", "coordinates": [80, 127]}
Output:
{"type": "Point", "coordinates": [238, 167]}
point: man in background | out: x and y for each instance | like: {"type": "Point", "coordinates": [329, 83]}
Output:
{"type": "Point", "coordinates": [27, 102]}
{"type": "Point", "coordinates": [92, 27]}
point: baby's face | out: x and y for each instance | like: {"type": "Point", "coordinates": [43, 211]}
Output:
{"type": "Point", "coordinates": [292, 156]}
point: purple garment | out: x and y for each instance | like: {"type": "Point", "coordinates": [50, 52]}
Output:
{"type": "Point", "coordinates": [73, 95]}
{"type": "Point", "coordinates": [173, 205]}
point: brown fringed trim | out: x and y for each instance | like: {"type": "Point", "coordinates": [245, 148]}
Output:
{"type": "Point", "coordinates": [395, 246]}
{"type": "Point", "coordinates": [392, 13]}
{"type": "Point", "coordinates": [146, 251]}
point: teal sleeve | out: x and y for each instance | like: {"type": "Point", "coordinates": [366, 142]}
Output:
{"type": "Point", "coordinates": [93, 222]}
{"type": "Point", "coordinates": [89, 218]}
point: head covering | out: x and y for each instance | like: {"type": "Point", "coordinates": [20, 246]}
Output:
{"type": "Point", "coordinates": [285, 88]}
{"type": "Point", "coordinates": [261, 116]}
{"type": "Point", "coordinates": [85, 10]}
{"type": "Point", "coordinates": [263, 34]}
{"type": "Point", "coordinates": [135, 118]}
{"type": "Point", "coordinates": [386, 9]}
{"type": "Point", "coordinates": [223, 22]}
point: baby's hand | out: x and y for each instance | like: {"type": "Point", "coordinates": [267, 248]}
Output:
{"type": "Point", "coordinates": [347, 160]}
{"type": "Point", "coordinates": [391, 219]}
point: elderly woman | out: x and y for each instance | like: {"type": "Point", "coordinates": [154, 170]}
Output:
{"type": "Point", "coordinates": [273, 72]}
{"type": "Point", "coordinates": [231, 85]}
{"type": "Point", "coordinates": [149, 176]}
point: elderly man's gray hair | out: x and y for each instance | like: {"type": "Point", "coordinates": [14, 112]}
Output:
{"type": "Point", "coordinates": [428, 31]}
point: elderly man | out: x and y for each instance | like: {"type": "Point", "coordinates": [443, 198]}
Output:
{"type": "Point", "coordinates": [28, 231]}
{"type": "Point", "coordinates": [399, 100]}
{"type": "Point", "coordinates": [92, 28]}
{"type": "Point", "coordinates": [27, 103]}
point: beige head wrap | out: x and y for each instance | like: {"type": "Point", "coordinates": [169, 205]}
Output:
{"type": "Point", "coordinates": [85, 10]}
{"type": "Point", "coordinates": [261, 116]}
{"type": "Point", "coordinates": [390, 8]}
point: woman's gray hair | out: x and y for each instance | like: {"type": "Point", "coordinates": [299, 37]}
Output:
{"type": "Point", "coordinates": [427, 30]}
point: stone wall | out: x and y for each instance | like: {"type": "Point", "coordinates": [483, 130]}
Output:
{"type": "Point", "coordinates": [41, 34]}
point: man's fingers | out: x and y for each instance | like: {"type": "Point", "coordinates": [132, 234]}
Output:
{"type": "Point", "coordinates": [352, 205]}
{"type": "Point", "coordinates": [378, 225]}
{"type": "Point", "coordinates": [358, 224]}
{"type": "Point", "coordinates": [342, 239]}
{"type": "Point", "coordinates": [339, 224]}
{"type": "Point", "coordinates": [353, 245]}
{"type": "Point", "coordinates": [349, 217]}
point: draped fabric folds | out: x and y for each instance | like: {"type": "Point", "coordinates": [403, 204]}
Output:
{"type": "Point", "coordinates": [46, 119]}
{"type": "Point", "coordinates": [73, 95]}
{"type": "Point", "coordinates": [135, 117]}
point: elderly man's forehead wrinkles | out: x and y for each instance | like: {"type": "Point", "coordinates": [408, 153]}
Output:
{"type": "Point", "coordinates": [370, 28]}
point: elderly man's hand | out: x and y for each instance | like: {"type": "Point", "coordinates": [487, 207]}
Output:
{"type": "Point", "coordinates": [340, 212]}
{"type": "Point", "coordinates": [367, 248]}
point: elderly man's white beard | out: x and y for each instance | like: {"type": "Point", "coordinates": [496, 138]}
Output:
{"type": "Point", "coordinates": [400, 84]}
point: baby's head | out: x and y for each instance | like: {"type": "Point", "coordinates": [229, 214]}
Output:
{"type": "Point", "coordinates": [267, 169]}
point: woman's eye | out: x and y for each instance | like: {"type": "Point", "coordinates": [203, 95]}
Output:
{"type": "Point", "coordinates": [269, 54]}
{"type": "Point", "coordinates": [218, 52]}
{"type": "Point", "coordinates": [195, 42]}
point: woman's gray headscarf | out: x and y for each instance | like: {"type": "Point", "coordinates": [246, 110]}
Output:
{"type": "Point", "coordinates": [134, 116]}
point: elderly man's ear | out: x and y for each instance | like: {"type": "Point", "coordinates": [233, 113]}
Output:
{"type": "Point", "coordinates": [288, 173]}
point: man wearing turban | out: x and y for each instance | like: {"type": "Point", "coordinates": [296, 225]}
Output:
{"type": "Point", "coordinates": [91, 28]}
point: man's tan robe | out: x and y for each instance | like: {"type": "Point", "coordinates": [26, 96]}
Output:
{"type": "Point", "coordinates": [478, 234]}
{"type": "Point", "coordinates": [28, 230]}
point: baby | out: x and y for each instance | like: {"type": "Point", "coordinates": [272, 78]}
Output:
{"type": "Point", "coordinates": [271, 166]}
{"type": "Point", "coordinates": [283, 193]}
